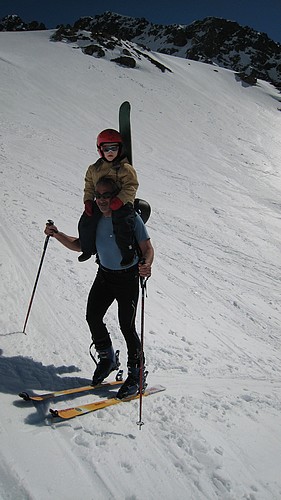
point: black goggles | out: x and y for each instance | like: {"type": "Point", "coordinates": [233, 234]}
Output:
{"type": "Point", "coordinates": [104, 196]}
{"type": "Point", "coordinates": [107, 148]}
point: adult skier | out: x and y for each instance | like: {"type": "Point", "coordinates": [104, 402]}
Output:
{"type": "Point", "coordinates": [114, 282]}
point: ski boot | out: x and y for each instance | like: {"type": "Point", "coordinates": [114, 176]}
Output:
{"type": "Point", "coordinates": [84, 256]}
{"type": "Point", "coordinates": [131, 386]}
{"type": "Point", "coordinates": [108, 361]}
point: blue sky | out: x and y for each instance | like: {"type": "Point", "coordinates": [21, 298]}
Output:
{"type": "Point", "coordinates": [262, 15]}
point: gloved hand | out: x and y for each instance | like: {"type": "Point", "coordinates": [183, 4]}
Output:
{"type": "Point", "coordinates": [88, 207]}
{"type": "Point", "coordinates": [116, 203]}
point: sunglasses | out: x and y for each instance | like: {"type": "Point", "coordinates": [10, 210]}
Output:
{"type": "Point", "coordinates": [107, 149]}
{"type": "Point", "coordinates": [104, 196]}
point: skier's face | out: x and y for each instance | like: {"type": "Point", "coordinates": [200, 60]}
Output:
{"type": "Point", "coordinates": [110, 150]}
{"type": "Point", "coordinates": [103, 202]}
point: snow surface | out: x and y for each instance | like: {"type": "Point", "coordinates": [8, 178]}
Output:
{"type": "Point", "coordinates": [208, 154]}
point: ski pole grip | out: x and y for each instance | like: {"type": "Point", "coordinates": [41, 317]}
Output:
{"type": "Point", "coordinates": [50, 222]}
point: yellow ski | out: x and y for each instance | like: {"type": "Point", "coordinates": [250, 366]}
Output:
{"type": "Point", "coordinates": [51, 395]}
{"type": "Point", "coordinates": [98, 405]}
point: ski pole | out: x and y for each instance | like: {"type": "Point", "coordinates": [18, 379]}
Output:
{"type": "Point", "coordinates": [143, 289]}
{"type": "Point", "coordinates": [50, 223]}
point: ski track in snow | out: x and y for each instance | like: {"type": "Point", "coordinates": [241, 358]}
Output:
{"type": "Point", "coordinates": [207, 152]}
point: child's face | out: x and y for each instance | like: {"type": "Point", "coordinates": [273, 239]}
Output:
{"type": "Point", "coordinates": [110, 150]}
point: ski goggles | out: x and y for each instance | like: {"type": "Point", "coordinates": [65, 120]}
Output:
{"type": "Point", "coordinates": [104, 196]}
{"type": "Point", "coordinates": [110, 147]}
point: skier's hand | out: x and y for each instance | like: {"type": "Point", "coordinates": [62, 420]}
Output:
{"type": "Point", "coordinates": [50, 229]}
{"type": "Point", "coordinates": [144, 269]}
{"type": "Point", "coordinates": [115, 203]}
{"type": "Point", "coordinates": [88, 207]}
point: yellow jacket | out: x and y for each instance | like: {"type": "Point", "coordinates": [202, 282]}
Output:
{"type": "Point", "coordinates": [121, 172]}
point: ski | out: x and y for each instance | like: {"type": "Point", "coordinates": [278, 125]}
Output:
{"type": "Point", "coordinates": [125, 129]}
{"type": "Point", "coordinates": [52, 395]}
{"type": "Point", "coordinates": [68, 413]}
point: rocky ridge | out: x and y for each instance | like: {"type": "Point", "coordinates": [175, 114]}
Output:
{"type": "Point", "coordinates": [14, 23]}
{"type": "Point", "coordinates": [126, 40]}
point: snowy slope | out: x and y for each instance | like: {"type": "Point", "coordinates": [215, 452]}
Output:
{"type": "Point", "coordinates": [208, 155]}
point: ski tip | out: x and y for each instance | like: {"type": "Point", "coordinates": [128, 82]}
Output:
{"type": "Point", "coordinates": [54, 413]}
{"type": "Point", "coordinates": [155, 388]}
{"type": "Point", "coordinates": [125, 107]}
{"type": "Point", "coordinates": [25, 396]}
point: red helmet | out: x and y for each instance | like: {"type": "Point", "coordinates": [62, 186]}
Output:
{"type": "Point", "coordinates": [109, 135]}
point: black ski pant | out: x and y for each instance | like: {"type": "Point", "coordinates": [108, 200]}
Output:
{"type": "Point", "coordinates": [87, 227]}
{"type": "Point", "coordinates": [122, 286]}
